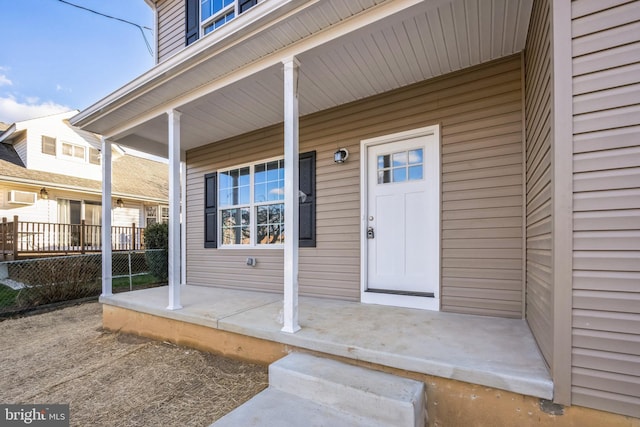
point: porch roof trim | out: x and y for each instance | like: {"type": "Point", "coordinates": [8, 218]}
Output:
{"type": "Point", "coordinates": [249, 26]}
{"type": "Point", "coordinates": [230, 82]}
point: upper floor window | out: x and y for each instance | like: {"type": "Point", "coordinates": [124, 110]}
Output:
{"type": "Point", "coordinates": [212, 14]}
{"type": "Point", "coordinates": [94, 156]}
{"type": "Point", "coordinates": [213, 7]}
{"type": "Point", "coordinates": [48, 145]}
{"type": "Point", "coordinates": [72, 150]}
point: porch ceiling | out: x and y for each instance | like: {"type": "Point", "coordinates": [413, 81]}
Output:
{"type": "Point", "coordinates": [226, 87]}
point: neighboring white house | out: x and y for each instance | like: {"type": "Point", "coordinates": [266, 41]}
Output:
{"type": "Point", "coordinates": [50, 172]}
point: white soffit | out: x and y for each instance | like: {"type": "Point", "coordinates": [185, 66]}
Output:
{"type": "Point", "coordinates": [416, 44]}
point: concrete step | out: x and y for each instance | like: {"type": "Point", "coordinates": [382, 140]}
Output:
{"type": "Point", "coordinates": [275, 408]}
{"type": "Point", "coordinates": [309, 390]}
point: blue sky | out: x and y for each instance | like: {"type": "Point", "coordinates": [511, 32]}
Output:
{"type": "Point", "coordinates": [55, 57]}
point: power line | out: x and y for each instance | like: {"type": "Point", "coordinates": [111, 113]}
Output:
{"type": "Point", "coordinates": [140, 27]}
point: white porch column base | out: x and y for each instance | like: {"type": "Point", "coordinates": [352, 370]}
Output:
{"type": "Point", "coordinates": [174, 210]}
{"type": "Point", "coordinates": [291, 212]}
{"type": "Point", "coordinates": [107, 272]}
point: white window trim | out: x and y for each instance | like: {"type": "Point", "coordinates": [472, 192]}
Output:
{"type": "Point", "coordinates": [71, 157]}
{"type": "Point", "coordinates": [161, 217]}
{"type": "Point", "coordinates": [211, 19]}
{"type": "Point", "coordinates": [252, 206]}
{"type": "Point", "coordinates": [147, 216]}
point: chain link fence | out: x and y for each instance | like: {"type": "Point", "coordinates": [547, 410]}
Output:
{"type": "Point", "coordinates": [31, 283]}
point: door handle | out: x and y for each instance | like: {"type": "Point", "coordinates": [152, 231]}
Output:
{"type": "Point", "coordinates": [370, 234]}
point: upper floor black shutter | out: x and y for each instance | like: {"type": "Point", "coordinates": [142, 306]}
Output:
{"type": "Point", "coordinates": [307, 226]}
{"type": "Point", "coordinates": [244, 5]}
{"type": "Point", "coordinates": [210, 210]}
{"type": "Point", "coordinates": [192, 15]}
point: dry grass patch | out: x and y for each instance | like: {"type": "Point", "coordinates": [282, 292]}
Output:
{"type": "Point", "coordinates": [112, 379]}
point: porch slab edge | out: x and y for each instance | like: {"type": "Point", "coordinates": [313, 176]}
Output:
{"type": "Point", "coordinates": [542, 388]}
{"type": "Point", "coordinates": [260, 319]}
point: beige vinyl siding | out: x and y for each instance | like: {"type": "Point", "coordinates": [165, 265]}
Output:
{"type": "Point", "coordinates": [482, 196]}
{"type": "Point", "coordinates": [227, 267]}
{"type": "Point", "coordinates": [479, 111]}
{"type": "Point", "coordinates": [171, 27]}
{"type": "Point", "coordinates": [606, 235]}
{"type": "Point", "coordinates": [539, 291]}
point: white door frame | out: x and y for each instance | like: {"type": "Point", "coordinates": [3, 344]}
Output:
{"type": "Point", "coordinates": [393, 299]}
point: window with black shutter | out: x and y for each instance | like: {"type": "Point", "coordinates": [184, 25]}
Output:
{"type": "Point", "coordinates": [250, 203]}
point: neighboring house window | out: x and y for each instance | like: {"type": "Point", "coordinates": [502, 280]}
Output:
{"type": "Point", "coordinates": [156, 214]}
{"type": "Point", "coordinates": [72, 150]}
{"type": "Point", "coordinates": [94, 156]}
{"type": "Point", "coordinates": [151, 214]}
{"type": "Point", "coordinates": [70, 212]}
{"type": "Point", "coordinates": [92, 213]}
{"type": "Point", "coordinates": [73, 212]}
{"type": "Point", "coordinates": [249, 202]}
{"type": "Point", "coordinates": [204, 16]}
{"type": "Point", "coordinates": [48, 145]}
{"type": "Point", "coordinates": [164, 214]}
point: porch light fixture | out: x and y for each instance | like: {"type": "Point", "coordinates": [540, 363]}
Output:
{"type": "Point", "coordinates": [44, 194]}
{"type": "Point", "coordinates": [119, 203]}
{"type": "Point", "coordinates": [341, 155]}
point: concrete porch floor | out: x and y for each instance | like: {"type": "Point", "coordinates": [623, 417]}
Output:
{"type": "Point", "coordinates": [494, 352]}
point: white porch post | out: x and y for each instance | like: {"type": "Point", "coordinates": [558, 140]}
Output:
{"type": "Point", "coordinates": [183, 218]}
{"type": "Point", "coordinates": [291, 213]}
{"type": "Point", "coordinates": [174, 210]}
{"type": "Point", "coordinates": [107, 272]}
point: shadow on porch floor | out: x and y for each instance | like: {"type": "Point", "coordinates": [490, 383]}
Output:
{"type": "Point", "coordinates": [494, 352]}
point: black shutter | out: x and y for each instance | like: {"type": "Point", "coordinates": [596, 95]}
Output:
{"type": "Point", "coordinates": [245, 5]}
{"type": "Point", "coordinates": [307, 184]}
{"type": "Point", "coordinates": [192, 30]}
{"type": "Point", "coordinates": [210, 210]}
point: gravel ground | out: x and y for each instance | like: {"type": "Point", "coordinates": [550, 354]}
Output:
{"type": "Point", "coordinates": [113, 379]}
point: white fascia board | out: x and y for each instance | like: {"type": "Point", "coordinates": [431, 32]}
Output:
{"type": "Point", "coordinates": [144, 145]}
{"type": "Point", "coordinates": [322, 37]}
{"type": "Point", "coordinates": [140, 198]}
{"type": "Point", "coordinates": [8, 132]}
{"type": "Point", "coordinates": [10, 179]}
{"type": "Point", "coordinates": [48, 185]}
{"type": "Point", "coordinates": [265, 14]}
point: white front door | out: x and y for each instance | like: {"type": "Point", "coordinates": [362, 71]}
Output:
{"type": "Point", "coordinates": [401, 222]}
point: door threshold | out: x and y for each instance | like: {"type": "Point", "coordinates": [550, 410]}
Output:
{"type": "Point", "coordinates": [405, 293]}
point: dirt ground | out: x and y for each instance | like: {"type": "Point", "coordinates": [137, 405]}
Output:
{"type": "Point", "coordinates": [112, 379]}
